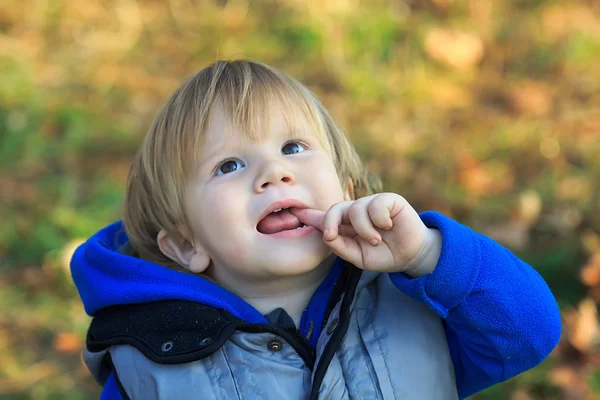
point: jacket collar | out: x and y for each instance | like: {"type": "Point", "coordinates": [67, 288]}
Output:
{"type": "Point", "coordinates": [104, 277]}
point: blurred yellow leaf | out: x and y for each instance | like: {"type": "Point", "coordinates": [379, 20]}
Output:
{"type": "Point", "coordinates": [454, 48]}
{"type": "Point", "coordinates": [67, 253]}
{"type": "Point", "coordinates": [570, 379]}
{"type": "Point", "coordinates": [549, 148]}
{"type": "Point", "coordinates": [520, 395]}
{"type": "Point", "coordinates": [590, 273]}
{"type": "Point", "coordinates": [591, 241]}
{"type": "Point", "coordinates": [559, 20]}
{"type": "Point", "coordinates": [586, 330]}
{"type": "Point", "coordinates": [448, 95]}
{"type": "Point", "coordinates": [442, 4]}
{"type": "Point", "coordinates": [554, 21]}
{"type": "Point", "coordinates": [530, 206]}
{"type": "Point", "coordinates": [531, 98]}
{"type": "Point", "coordinates": [235, 12]}
{"type": "Point", "coordinates": [575, 188]}
{"type": "Point", "coordinates": [68, 342]}
{"type": "Point", "coordinates": [485, 179]}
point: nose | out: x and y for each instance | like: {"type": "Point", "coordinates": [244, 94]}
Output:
{"type": "Point", "coordinates": [273, 173]}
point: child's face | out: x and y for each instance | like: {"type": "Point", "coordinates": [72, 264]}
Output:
{"type": "Point", "coordinates": [238, 180]}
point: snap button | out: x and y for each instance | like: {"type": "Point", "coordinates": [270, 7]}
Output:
{"type": "Point", "coordinates": [332, 326]}
{"type": "Point", "coordinates": [167, 346]}
{"type": "Point", "coordinates": [274, 345]}
{"type": "Point", "coordinates": [206, 341]}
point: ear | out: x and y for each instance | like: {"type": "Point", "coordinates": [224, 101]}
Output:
{"type": "Point", "coordinates": [349, 194]}
{"type": "Point", "coordinates": [185, 253]}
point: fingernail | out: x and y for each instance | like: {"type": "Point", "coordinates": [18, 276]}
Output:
{"type": "Point", "coordinates": [374, 242]}
{"type": "Point", "coordinates": [326, 232]}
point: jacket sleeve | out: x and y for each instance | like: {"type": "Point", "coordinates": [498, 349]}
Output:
{"type": "Point", "coordinates": [499, 315]}
{"type": "Point", "coordinates": [111, 389]}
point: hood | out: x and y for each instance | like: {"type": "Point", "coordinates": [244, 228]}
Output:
{"type": "Point", "coordinates": [104, 277]}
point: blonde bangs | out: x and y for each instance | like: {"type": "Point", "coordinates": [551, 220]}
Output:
{"type": "Point", "coordinates": [251, 95]}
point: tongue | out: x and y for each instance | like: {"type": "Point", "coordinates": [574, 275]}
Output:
{"type": "Point", "coordinates": [277, 222]}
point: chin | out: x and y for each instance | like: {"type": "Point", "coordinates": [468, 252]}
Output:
{"type": "Point", "coordinates": [299, 266]}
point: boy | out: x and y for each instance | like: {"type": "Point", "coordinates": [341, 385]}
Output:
{"type": "Point", "coordinates": [302, 281]}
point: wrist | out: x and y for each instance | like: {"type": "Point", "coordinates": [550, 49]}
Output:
{"type": "Point", "coordinates": [426, 261]}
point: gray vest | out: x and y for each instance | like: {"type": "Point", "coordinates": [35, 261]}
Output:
{"type": "Point", "coordinates": [394, 348]}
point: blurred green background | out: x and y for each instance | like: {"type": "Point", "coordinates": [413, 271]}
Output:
{"type": "Point", "coordinates": [488, 111]}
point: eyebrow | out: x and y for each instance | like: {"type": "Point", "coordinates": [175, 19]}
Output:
{"type": "Point", "coordinates": [215, 156]}
{"type": "Point", "coordinates": [210, 160]}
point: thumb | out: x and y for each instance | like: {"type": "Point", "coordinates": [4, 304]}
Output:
{"type": "Point", "coordinates": [309, 216]}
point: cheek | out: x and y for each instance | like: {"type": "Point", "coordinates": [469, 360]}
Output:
{"type": "Point", "coordinates": [321, 172]}
{"type": "Point", "coordinates": [234, 256]}
{"type": "Point", "coordinates": [225, 217]}
{"type": "Point", "coordinates": [221, 209]}
{"type": "Point", "coordinates": [219, 213]}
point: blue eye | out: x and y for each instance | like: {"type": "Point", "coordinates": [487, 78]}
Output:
{"type": "Point", "coordinates": [292, 148]}
{"type": "Point", "coordinates": [229, 166]}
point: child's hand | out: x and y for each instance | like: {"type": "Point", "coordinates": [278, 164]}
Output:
{"type": "Point", "coordinates": [381, 233]}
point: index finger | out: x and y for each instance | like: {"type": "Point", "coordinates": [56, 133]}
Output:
{"type": "Point", "coordinates": [309, 216]}
{"type": "Point", "coordinates": [335, 216]}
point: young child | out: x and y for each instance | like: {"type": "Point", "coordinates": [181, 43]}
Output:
{"type": "Point", "coordinates": [256, 261]}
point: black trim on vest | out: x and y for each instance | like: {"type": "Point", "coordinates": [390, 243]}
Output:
{"type": "Point", "coordinates": [111, 366]}
{"type": "Point", "coordinates": [338, 290]}
{"type": "Point", "coordinates": [177, 331]}
{"type": "Point", "coordinates": [338, 334]}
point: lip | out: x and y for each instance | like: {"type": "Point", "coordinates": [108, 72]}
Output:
{"type": "Point", "coordinates": [286, 203]}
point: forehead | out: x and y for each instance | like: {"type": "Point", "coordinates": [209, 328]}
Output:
{"type": "Point", "coordinates": [226, 129]}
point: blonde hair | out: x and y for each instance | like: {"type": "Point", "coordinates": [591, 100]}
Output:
{"type": "Point", "coordinates": [248, 92]}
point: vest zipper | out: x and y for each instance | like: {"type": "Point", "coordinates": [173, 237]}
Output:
{"type": "Point", "coordinates": [338, 335]}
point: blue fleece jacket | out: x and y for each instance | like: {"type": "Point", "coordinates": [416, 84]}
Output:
{"type": "Point", "coordinates": [499, 315]}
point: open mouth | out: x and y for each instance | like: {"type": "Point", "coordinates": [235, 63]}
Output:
{"type": "Point", "coordinates": [278, 221]}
